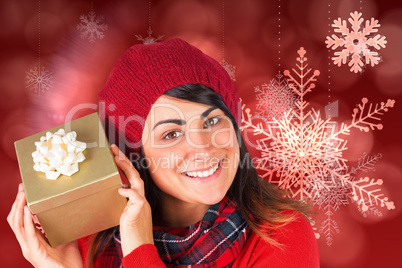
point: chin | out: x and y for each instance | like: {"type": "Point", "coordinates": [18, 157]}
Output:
{"type": "Point", "coordinates": [211, 198]}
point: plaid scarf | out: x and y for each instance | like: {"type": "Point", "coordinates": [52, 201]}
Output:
{"type": "Point", "coordinates": [215, 241]}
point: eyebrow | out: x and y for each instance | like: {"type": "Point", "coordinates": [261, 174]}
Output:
{"type": "Point", "coordinates": [173, 121]}
{"type": "Point", "coordinates": [207, 112]}
{"type": "Point", "coordinates": [182, 122]}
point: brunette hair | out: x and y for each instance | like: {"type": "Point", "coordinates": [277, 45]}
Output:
{"type": "Point", "coordinates": [258, 201]}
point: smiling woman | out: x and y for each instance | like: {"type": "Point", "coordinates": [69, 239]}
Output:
{"type": "Point", "coordinates": [195, 198]}
{"type": "Point", "coordinates": [193, 145]}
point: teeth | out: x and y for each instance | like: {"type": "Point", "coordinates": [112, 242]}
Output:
{"type": "Point", "coordinates": [202, 174]}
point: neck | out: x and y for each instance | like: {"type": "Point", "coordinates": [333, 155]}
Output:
{"type": "Point", "coordinates": [175, 213]}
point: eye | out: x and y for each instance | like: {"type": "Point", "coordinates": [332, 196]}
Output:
{"type": "Point", "coordinates": [211, 121]}
{"type": "Point", "coordinates": [172, 135]}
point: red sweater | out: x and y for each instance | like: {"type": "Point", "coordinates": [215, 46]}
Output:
{"type": "Point", "coordinates": [299, 249]}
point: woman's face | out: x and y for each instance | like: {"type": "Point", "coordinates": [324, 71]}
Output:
{"type": "Point", "coordinates": [191, 150]}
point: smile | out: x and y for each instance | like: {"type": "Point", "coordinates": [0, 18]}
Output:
{"type": "Point", "coordinates": [202, 174]}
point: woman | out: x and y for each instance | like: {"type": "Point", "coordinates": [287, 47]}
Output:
{"type": "Point", "coordinates": [195, 198]}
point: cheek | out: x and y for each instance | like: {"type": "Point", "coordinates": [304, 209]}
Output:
{"type": "Point", "coordinates": [224, 138]}
{"type": "Point", "coordinates": [163, 160]}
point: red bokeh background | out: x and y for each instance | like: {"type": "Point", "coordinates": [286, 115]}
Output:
{"type": "Point", "coordinates": [251, 43]}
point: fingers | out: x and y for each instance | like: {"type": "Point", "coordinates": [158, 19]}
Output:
{"type": "Point", "coordinates": [19, 211]}
{"type": "Point", "coordinates": [135, 205]}
{"type": "Point", "coordinates": [127, 167]}
{"type": "Point", "coordinates": [16, 216]}
{"type": "Point", "coordinates": [32, 236]}
{"type": "Point", "coordinates": [117, 152]}
{"type": "Point", "coordinates": [132, 195]}
{"type": "Point", "coordinates": [14, 206]}
{"type": "Point", "coordinates": [30, 229]}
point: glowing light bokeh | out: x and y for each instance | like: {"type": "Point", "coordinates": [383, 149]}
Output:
{"type": "Point", "coordinates": [390, 69]}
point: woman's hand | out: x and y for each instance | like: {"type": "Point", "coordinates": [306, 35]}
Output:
{"type": "Point", "coordinates": [136, 220]}
{"type": "Point", "coordinates": [34, 245]}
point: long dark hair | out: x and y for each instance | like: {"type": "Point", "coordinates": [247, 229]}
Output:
{"type": "Point", "coordinates": [258, 201]}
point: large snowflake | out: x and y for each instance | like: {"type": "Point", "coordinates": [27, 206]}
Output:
{"type": "Point", "coordinates": [275, 98]}
{"type": "Point", "coordinates": [357, 44]}
{"type": "Point", "coordinates": [92, 27]}
{"type": "Point", "coordinates": [149, 39]}
{"type": "Point", "coordinates": [39, 79]}
{"type": "Point", "coordinates": [303, 153]}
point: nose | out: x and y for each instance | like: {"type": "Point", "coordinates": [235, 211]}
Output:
{"type": "Point", "coordinates": [199, 145]}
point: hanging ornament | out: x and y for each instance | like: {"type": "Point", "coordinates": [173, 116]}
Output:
{"type": "Point", "coordinates": [39, 79]}
{"type": "Point", "coordinates": [92, 26]}
{"type": "Point", "coordinates": [149, 39]}
{"type": "Point", "coordinates": [275, 98]}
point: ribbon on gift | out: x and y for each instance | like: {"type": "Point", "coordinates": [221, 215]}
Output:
{"type": "Point", "coordinates": [58, 153]}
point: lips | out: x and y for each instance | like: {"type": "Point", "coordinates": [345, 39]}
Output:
{"type": "Point", "coordinates": [202, 173]}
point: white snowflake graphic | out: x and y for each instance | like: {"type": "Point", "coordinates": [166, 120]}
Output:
{"type": "Point", "coordinates": [230, 69]}
{"type": "Point", "coordinates": [303, 153]}
{"type": "Point", "coordinates": [149, 39]}
{"type": "Point", "coordinates": [332, 197]}
{"type": "Point", "coordinates": [275, 98]}
{"type": "Point", "coordinates": [92, 27]}
{"type": "Point", "coordinates": [329, 227]}
{"type": "Point", "coordinates": [357, 43]}
{"type": "Point", "coordinates": [39, 80]}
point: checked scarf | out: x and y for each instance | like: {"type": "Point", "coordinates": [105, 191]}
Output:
{"type": "Point", "coordinates": [215, 241]}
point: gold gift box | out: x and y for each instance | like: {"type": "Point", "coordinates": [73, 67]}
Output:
{"type": "Point", "coordinates": [85, 203]}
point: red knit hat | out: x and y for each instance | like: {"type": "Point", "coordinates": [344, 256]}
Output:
{"type": "Point", "coordinates": [145, 72]}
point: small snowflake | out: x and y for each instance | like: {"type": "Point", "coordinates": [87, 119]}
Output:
{"type": "Point", "coordinates": [356, 43]}
{"type": "Point", "coordinates": [149, 39]}
{"type": "Point", "coordinates": [92, 27]}
{"type": "Point", "coordinates": [335, 193]}
{"type": "Point", "coordinates": [230, 69]}
{"type": "Point", "coordinates": [275, 98]}
{"type": "Point", "coordinates": [39, 80]}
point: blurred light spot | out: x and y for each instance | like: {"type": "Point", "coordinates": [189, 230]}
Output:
{"type": "Point", "coordinates": [359, 142]}
{"type": "Point", "coordinates": [269, 35]}
{"type": "Point", "coordinates": [188, 16]}
{"type": "Point", "coordinates": [11, 16]}
{"type": "Point", "coordinates": [389, 71]}
{"type": "Point", "coordinates": [368, 8]}
{"type": "Point", "coordinates": [10, 135]}
{"type": "Point", "coordinates": [12, 82]}
{"type": "Point", "coordinates": [51, 30]}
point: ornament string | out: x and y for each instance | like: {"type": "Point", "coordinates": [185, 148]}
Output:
{"type": "Point", "coordinates": [230, 69]}
{"type": "Point", "coordinates": [279, 34]}
{"type": "Point", "coordinates": [149, 39]}
{"type": "Point", "coordinates": [39, 78]}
